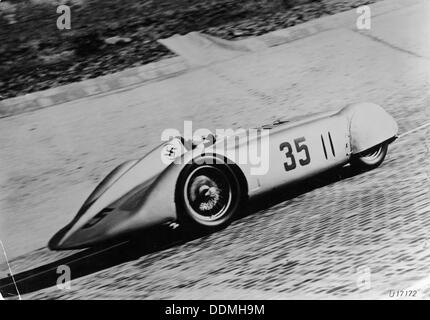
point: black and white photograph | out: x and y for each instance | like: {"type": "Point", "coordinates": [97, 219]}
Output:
{"type": "Point", "coordinates": [214, 150]}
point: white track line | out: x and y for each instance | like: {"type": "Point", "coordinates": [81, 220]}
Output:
{"type": "Point", "coordinates": [72, 261]}
{"type": "Point", "coordinates": [423, 283]}
{"type": "Point", "coordinates": [10, 270]}
{"type": "Point", "coordinates": [414, 130]}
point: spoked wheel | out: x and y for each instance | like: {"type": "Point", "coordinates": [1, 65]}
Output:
{"type": "Point", "coordinates": [208, 196]}
{"type": "Point", "coordinates": [371, 158]}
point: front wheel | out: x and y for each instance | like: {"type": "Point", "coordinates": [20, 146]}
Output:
{"type": "Point", "coordinates": [371, 158]}
{"type": "Point", "coordinates": [208, 196]}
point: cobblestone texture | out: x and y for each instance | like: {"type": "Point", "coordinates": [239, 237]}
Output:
{"type": "Point", "coordinates": [310, 245]}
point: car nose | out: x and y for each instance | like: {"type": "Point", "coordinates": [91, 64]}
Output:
{"type": "Point", "coordinates": [63, 240]}
{"type": "Point", "coordinates": [58, 240]}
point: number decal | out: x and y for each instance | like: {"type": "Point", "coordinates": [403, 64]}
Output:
{"type": "Point", "coordinates": [304, 148]}
{"type": "Point", "coordinates": [300, 146]}
{"type": "Point", "coordinates": [289, 155]}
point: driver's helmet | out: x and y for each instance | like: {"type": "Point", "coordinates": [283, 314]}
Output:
{"type": "Point", "coordinates": [178, 146]}
{"type": "Point", "coordinates": [191, 144]}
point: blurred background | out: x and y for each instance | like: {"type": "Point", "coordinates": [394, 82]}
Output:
{"type": "Point", "coordinates": [110, 35]}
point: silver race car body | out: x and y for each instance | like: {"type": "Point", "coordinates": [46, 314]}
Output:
{"type": "Point", "coordinates": [205, 186]}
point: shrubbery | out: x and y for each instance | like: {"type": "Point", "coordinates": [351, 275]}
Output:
{"type": "Point", "coordinates": [35, 55]}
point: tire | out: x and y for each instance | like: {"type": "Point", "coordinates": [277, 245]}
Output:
{"type": "Point", "coordinates": [208, 196]}
{"type": "Point", "coordinates": [370, 158]}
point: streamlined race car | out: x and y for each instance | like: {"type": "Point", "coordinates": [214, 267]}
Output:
{"type": "Point", "coordinates": [203, 185]}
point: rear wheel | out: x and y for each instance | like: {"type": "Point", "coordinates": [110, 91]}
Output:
{"type": "Point", "coordinates": [371, 158]}
{"type": "Point", "coordinates": [208, 195]}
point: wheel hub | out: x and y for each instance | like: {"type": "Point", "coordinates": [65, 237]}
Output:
{"type": "Point", "coordinates": [208, 193]}
{"type": "Point", "coordinates": [205, 193]}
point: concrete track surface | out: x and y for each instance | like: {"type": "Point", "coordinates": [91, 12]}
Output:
{"type": "Point", "coordinates": [317, 241]}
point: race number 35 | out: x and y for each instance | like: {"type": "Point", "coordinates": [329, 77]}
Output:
{"type": "Point", "coordinates": [301, 150]}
